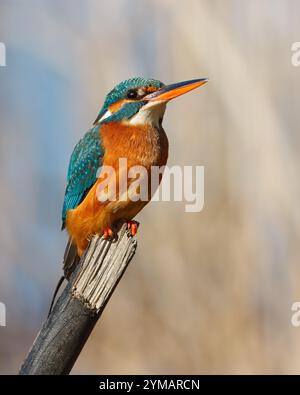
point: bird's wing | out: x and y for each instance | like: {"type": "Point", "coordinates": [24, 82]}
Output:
{"type": "Point", "coordinates": [82, 172]}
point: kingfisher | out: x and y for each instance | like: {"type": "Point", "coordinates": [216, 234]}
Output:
{"type": "Point", "coordinates": [129, 125]}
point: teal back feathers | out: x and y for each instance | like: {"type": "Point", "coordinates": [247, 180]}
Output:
{"type": "Point", "coordinates": [82, 172]}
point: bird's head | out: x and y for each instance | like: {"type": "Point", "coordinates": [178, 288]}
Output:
{"type": "Point", "coordinates": [142, 101]}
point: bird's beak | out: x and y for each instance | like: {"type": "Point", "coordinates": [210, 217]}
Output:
{"type": "Point", "coordinates": [169, 92]}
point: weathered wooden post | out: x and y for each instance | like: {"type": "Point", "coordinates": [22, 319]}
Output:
{"type": "Point", "coordinates": [80, 305]}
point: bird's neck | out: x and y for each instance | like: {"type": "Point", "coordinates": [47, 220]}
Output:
{"type": "Point", "coordinates": [143, 145]}
{"type": "Point", "coordinates": [150, 114]}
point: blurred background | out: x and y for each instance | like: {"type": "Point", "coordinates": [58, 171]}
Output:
{"type": "Point", "coordinates": [207, 292]}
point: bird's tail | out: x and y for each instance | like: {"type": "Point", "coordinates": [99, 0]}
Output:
{"type": "Point", "coordinates": [71, 259]}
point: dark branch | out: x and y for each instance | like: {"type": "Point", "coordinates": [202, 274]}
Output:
{"type": "Point", "coordinates": [80, 305]}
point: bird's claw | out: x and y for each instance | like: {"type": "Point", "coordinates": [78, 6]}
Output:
{"type": "Point", "coordinates": [133, 227]}
{"type": "Point", "coordinates": [108, 233]}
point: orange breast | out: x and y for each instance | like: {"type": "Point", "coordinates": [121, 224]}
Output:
{"type": "Point", "coordinates": [140, 146]}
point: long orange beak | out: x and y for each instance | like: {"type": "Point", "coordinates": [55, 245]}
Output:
{"type": "Point", "coordinates": [169, 92]}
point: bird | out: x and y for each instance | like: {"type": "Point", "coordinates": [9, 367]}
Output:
{"type": "Point", "coordinates": [129, 125]}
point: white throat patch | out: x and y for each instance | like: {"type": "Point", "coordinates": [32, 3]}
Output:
{"type": "Point", "coordinates": [151, 114]}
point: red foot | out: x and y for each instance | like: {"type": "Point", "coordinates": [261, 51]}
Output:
{"type": "Point", "coordinates": [107, 233]}
{"type": "Point", "coordinates": [133, 227]}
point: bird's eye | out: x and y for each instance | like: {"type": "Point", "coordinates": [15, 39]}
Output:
{"type": "Point", "coordinates": [131, 94]}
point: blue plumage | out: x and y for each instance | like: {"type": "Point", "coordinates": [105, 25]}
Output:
{"type": "Point", "coordinates": [119, 92]}
{"type": "Point", "coordinates": [82, 172]}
